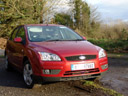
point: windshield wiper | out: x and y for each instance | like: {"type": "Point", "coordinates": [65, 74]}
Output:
{"type": "Point", "coordinates": [64, 40]}
{"type": "Point", "coordinates": [78, 40]}
{"type": "Point", "coordinates": [53, 40]}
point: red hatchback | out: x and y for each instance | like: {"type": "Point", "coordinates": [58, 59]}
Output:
{"type": "Point", "coordinates": [46, 53]}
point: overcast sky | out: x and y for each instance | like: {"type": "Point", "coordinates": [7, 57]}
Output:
{"type": "Point", "coordinates": [111, 9]}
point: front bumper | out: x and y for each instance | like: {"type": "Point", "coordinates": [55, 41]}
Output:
{"type": "Point", "coordinates": [61, 71]}
{"type": "Point", "coordinates": [39, 79]}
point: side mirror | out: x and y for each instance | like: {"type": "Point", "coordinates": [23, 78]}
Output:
{"type": "Point", "coordinates": [18, 40]}
{"type": "Point", "coordinates": [84, 38]}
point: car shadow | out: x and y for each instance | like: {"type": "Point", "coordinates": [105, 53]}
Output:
{"type": "Point", "coordinates": [10, 79]}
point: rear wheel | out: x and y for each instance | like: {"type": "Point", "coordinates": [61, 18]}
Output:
{"type": "Point", "coordinates": [28, 75]}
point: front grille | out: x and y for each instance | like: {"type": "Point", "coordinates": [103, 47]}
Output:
{"type": "Point", "coordinates": [78, 72]}
{"type": "Point", "coordinates": [77, 58]}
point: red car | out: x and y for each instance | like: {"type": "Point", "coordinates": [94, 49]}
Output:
{"type": "Point", "coordinates": [45, 53]}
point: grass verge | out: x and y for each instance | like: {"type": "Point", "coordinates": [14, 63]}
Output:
{"type": "Point", "coordinates": [96, 86]}
{"type": "Point", "coordinates": [119, 56]}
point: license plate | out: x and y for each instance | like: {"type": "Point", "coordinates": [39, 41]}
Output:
{"type": "Point", "coordinates": [82, 66]}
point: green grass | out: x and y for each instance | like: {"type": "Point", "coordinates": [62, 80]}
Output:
{"type": "Point", "coordinates": [97, 86]}
{"type": "Point", "coordinates": [114, 46]}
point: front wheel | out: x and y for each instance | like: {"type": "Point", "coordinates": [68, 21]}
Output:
{"type": "Point", "coordinates": [28, 75]}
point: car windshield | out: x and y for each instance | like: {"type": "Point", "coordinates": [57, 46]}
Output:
{"type": "Point", "coordinates": [52, 33]}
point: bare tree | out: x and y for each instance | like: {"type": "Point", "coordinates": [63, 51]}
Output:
{"type": "Point", "coordinates": [17, 12]}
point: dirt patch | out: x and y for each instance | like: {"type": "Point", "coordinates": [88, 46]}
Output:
{"type": "Point", "coordinates": [94, 91]}
{"type": "Point", "coordinates": [2, 43]}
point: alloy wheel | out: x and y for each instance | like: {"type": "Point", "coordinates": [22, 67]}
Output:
{"type": "Point", "coordinates": [27, 74]}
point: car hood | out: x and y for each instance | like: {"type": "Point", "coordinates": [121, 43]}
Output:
{"type": "Point", "coordinates": [66, 48]}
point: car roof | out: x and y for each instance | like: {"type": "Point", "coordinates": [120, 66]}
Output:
{"type": "Point", "coordinates": [43, 25]}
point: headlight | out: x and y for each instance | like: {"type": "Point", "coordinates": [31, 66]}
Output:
{"type": "Point", "coordinates": [49, 56]}
{"type": "Point", "coordinates": [102, 53]}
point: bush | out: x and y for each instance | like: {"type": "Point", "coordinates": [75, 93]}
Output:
{"type": "Point", "coordinates": [111, 45]}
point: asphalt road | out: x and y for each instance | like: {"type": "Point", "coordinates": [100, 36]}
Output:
{"type": "Point", "coordinates": [117, 76]}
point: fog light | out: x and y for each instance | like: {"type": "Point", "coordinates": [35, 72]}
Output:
{"type": "Point", "coordinates": [46, 71]}
{"type": "Point", "coordinates": [104, 66]}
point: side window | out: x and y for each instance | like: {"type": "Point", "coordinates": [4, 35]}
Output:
{"type": "Point", "coordinates": [21, 33]}
{"type": "Point", "coordinates": [14, 34]}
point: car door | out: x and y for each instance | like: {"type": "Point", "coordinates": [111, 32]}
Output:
{"type": "Point", "coordinates": [19, 48]}
{"type": "Point", "coordinates": [10, 50]}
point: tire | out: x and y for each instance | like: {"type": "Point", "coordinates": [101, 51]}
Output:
{"type": "Point", "coordinates": [8, 66]}
{"type": "Point", "coordinates": [28, 75]}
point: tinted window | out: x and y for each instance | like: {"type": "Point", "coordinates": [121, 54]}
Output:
{"type": "Point", "coordinates": [21, 33]}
